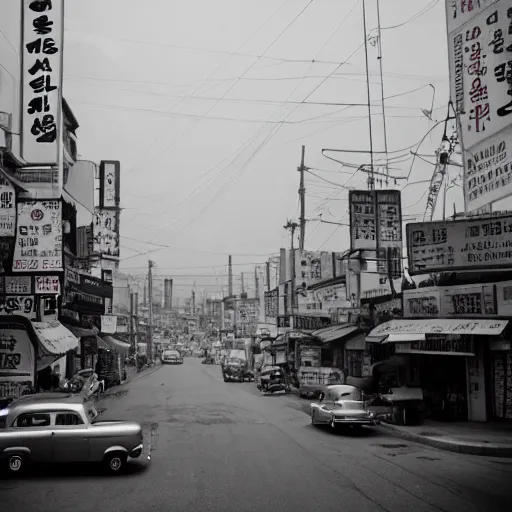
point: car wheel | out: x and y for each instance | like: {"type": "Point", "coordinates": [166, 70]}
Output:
{"type": "Point", "coordinates": [16, 464]}
{"type": "Point", "coordinates": [114, 462]}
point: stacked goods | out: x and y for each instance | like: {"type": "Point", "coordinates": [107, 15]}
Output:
{"type": "Point", "coordinates": [108, 367]}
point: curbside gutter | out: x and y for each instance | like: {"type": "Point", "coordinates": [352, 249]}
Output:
{"type": "Point", "coordinates": [450, 445]}
{"type": "Point", "coordinates": [137, 376]}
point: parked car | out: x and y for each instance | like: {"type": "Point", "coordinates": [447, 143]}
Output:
{"type": "Point", "coordinates": [171, 357]}
{"type": "Point", "coordinates": [341, 405]}
{"type": "Point", "coordinates": [59, 428]}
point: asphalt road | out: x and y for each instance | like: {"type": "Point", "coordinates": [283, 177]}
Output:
{"type": "Point", "coordinates": [216, 446]}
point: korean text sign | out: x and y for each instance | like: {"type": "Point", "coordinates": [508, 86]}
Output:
{"type": "Point", "coordinates": [42, 80]}
{"type": "Point", "coordinates": [17, 355]}
{"type": "Point", "coordinates": [469, 244]}
{"type": "Point", "coordinates": [480, 51]}
{"type": "Point", "coordinates": [38, 237]}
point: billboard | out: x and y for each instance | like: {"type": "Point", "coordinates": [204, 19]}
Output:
{"type": "Point", "coordinates": [481, 91]}
{"type": "Point", "coordinates": [42, 50]}
{"type": "Point", "coordinates": [467, 244]}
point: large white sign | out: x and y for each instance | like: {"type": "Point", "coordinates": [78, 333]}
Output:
{"type": "Point", "coordinates": [38, 237]}
{"type": "Point", "coordinates": [42, 80]}
{"type": "Point", "coordinates": [481, 87]}
{"type": "Point", "coordinates": [16, 356]}
{"type": "Point", "coordinates": [488, 171]}
{"type": "Point", "coordinates": [459, 12]}
{"type": "Point", "coordinates": [469, 244]}
{"type": "Point", "coordinates": [7, 209]}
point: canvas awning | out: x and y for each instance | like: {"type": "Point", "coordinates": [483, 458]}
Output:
{"type": "Point", "coordinates": [404, 330]}
{"type": "Point", "coordinates": [356, 343]}
{"type": "Point", "coordinates": [80, 332]}
{"type": "Point", "coordinates": [114, 344]}
{"type": "Point", "coordinates": [54, 339]}
{"type": "Point", "coordinates": [335, 332]}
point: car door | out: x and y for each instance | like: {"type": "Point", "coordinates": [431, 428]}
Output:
{"type": "Point", "coordinates": [70, 441]}
{"type": "Point", "coordinates": [33, 431]}
{"type": "Point", "coordinates": [325, 407]}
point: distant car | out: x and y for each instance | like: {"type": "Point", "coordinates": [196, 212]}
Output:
{"type": "Point", "coordinates": [341, 405]}
{"type": "Point", "coordinates": [60, 427]}
{"type": "Point", "coordinates": [171, 357]}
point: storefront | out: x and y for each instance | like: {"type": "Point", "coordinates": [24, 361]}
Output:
{"type": "Point", "coordinates": [442, 357]}
{"type": "Point", "coordinates": [111, 360]}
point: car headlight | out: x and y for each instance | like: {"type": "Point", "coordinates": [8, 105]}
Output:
{"type": "Point", "coordinates": [370, 414]}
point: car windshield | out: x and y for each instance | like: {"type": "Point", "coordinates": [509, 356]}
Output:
{"type": "Point", "coordinates": [171, 353]}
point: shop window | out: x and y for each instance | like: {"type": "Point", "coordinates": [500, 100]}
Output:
{"type": "Point", "coordinates": [31, 420]}
{"type": "Point", "coordinates": [355, 363]}
{"type": "Point", "coordinates": [68, 419]}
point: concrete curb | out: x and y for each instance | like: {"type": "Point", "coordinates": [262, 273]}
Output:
{"type": "Point", "coordinates": [481, 449]}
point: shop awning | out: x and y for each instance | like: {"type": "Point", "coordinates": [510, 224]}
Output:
{"type": "Point", "coordinates": [405, 329]}
{"type": "Point", "coordinates": [335, 332]}
{"type": "Point", "coordinates": [114, 344]}
{"type": "Point", "coordinates": [80, 332]}
{"type": "Point", "coordinates": [54, 339]}
{"type": "Point", "coordinates": [356, 343]}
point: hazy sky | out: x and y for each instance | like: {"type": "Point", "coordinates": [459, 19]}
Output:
{"type": "Point", "coordinates": [201, 102]}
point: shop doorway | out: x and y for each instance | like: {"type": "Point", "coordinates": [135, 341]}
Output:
{"type": "Point", "coordinates": [443, 380]}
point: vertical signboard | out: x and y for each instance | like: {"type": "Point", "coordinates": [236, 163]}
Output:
{"type": "Point", "coordinates": [106, 232]}
{"type": "Point", "coordinates": [481, 87]}
{"type": "Point", "coordinates": [109, 184]}
{"type": "Point", "coordinates": [43, 28]}
{"type": "Point", "coordinates": [7, 209]}
{"type": "Point", "coordinates": [376, 224]}
{"type": "Point", "coordinates": [38, 237]}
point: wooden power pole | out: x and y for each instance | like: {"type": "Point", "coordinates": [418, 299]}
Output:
{"type": "Point", "coordinates": [150, 294]}
{"type": "Point", "coordinates": [302, 197]}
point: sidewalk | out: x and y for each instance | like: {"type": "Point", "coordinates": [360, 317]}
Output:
{"type": "Point", "coordinates": [487, 439]}
{"type": "Point", "coordinates": [131, 375]}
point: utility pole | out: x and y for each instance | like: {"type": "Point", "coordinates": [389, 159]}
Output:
{"type": "Point", "coordinates": [268, 276]}
{"type": "Point", "coordinates": [230, 277]}
{"type": "Point", "coordinates": [243, 290]}
{"type": "Point", "coordinates": [150, 293]}
{"type": "Point", "coordinates": [132, 337]}
{"type": "Point", "coordinates": [382, 90]}
{"type": "Point", "coordinates": [292, 226]}
{"type": "Point", "coordinates": [135, 321]}
{"type": "Point", "coordinates": [256, 283]}
{"type": "Point", "coordinates": [302, 197]}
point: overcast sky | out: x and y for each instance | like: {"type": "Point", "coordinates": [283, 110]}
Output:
{"type": "Point", "coordinates": [202, 102]}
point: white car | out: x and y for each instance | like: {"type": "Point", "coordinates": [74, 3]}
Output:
{"type": "Point", "coordinates": [341, 405]}
{"type": "Point", "coordinates": [171, 357]}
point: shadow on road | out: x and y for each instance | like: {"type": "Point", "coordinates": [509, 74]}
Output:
{"type": "Point", "coordinates": [347, 431]}
{"type": "Point", "coordinates": [71, 471]}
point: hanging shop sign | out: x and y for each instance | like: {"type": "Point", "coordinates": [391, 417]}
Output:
{"type": "Point", "coordinates": [311, 323]}
{"type": "Point", "coordinates": [480, 86]}
{"type": "Point", "coordinates": [375, 219]}
{"type": "Point", "coordinates": [459, 12]}
{"type": "Point", "coordinates": [7, 209]}
{"type": "Point", "coordinates": [96, 286]}
{"type": "Point", "coordinates": [43, 28]}
{"type": "Point", "coordinates": [22, 305]}
{"type": "Point", "coordinates": [47, 284]}
{"type": "Point", "coordinates": [109, 325]}
{"type": "Point", "coordinates": [437, 346]}
{"type": "Point", "coordinates": [271, 304]}
{"type": "Point", "coordinates": [440, 326]}
{"type": "Point", "coordinates": [467, 244]}
{"type": "Point", "coordinates": [109, 184]}
{"type": "Point", "coordinates": [106, 232]}
{"type": "Point", "coordinates": [17, 285]}
{"type": "Point", "coordinates": [38, 237]}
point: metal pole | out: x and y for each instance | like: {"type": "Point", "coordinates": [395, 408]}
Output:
{"type": "Point", "coordinates": [132, 338]}
{"type": "Point", "coordinates": [371, 182]}
{"type": "Point", "coordinates": [382, 89]}
{"type": "Point", "coordinates": [268, 276]}
{"type": "Point", "coordinates": [302, 196]}
{"type": "Point", "coordinates": [150, 293]}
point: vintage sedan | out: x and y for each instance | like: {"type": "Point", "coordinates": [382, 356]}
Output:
{"type": "Point", "coordinates": [171, 357]}
{"type": "Point", "coordinates": [341, 405]}
{"type": "Point", "coordinates": [61, 427]}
